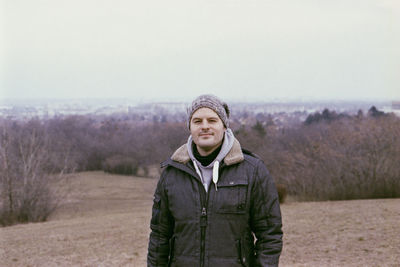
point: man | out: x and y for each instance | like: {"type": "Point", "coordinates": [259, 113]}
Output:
{"type": "Point", "coordinates": [215, 204]}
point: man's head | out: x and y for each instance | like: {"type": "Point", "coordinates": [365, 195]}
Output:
{"type": "Point", "coordinates": [212, 102]}
{"type": "Point", "coordinates": [208, 120]}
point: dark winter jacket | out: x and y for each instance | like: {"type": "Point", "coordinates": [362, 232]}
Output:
{"type": "Point", "coordinates": [237, 223]}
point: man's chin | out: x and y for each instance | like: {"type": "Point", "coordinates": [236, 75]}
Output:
{"type": "Point", "coordinates": [206, 145]}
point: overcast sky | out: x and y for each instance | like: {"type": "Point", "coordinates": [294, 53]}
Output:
{"type": "Point", "coordinates": [177, 49]}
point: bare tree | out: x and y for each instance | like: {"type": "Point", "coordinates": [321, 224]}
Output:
{"type": "Point", "coordinates": [27, 183]}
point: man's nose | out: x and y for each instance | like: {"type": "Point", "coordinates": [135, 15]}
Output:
{"type": "Point", "coordinates": [205, 125]}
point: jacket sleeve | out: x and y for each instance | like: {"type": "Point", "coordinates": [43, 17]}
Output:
{"type": "Point", "coordinates": [265, 220]}
{"type": "Point", "coordinates": [161, 225]}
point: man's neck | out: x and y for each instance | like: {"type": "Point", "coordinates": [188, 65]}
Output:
{"type": "Point", "coordinates": [205, 153]}
{"type": "Point", "coordinates": [206, 159]}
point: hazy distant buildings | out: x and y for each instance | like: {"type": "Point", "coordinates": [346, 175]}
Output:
{"type": "Point", "coordinates": [280, 113]}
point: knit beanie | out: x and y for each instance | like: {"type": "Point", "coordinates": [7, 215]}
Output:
{"type": "Point", "coordinates": [211, 102]}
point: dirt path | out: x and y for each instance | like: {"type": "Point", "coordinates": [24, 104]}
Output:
{"type": "Point", "coordinates": [105, 223]}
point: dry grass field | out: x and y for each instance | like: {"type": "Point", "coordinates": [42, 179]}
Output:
{"type": "Point", "coordinates": [104, 222]}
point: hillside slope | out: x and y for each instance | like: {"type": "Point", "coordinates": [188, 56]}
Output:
{"type": "Point", "coordinates": [105, 222]}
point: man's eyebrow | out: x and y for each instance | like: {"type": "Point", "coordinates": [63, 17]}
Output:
{"type": "Point", "coordinates": [210, 117]}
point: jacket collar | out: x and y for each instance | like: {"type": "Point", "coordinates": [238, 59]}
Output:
{"type": "Point", "coordinates": [234, 156]}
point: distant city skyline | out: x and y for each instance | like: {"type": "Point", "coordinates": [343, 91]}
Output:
{"type": "Point", "coordinates": [175, 50]}
{"type": "Point", "coordinates": [23, 109]}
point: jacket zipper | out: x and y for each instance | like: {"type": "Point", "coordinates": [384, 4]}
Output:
{"type": "Point", "coordinates": [204, 196]}
{"type": "Point", "coordinates": [203, 225]}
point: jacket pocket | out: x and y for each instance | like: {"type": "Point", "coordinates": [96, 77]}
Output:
{"type": "Point", "coordinates": [231, 196]}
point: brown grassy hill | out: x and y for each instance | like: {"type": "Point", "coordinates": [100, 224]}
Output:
{"type": "Point", "coordinates": [104, 222]}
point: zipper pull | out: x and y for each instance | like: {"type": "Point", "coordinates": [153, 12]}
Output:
{"type": "Point", "coordinates": [204, 211]}
{"type": "Point", "coordinates": [203, 217]}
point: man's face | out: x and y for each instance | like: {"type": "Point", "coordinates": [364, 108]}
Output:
{"type": "Point", "coordinates": [207, 130]}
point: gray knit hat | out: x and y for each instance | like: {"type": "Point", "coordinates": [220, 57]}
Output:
{"type": "Point", "coordinates": [212, 102]}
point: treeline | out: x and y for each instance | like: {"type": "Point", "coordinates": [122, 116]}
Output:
{"type": "Point", "coordinates": [329, 157]}
{"type": "Point", "coordinates": [332, 156]}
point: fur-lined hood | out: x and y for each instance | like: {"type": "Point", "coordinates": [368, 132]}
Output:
{"type": "Point", "coordinates": [234, 156]}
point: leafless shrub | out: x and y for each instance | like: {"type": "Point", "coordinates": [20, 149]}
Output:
{"type": "Point", "coordinates": [26, 177]}
{"type": "Point", "coordinates": [120, 164]}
